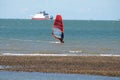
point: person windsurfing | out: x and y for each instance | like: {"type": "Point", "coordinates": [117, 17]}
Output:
{"type": "Point", "coordinates": [58, 29]}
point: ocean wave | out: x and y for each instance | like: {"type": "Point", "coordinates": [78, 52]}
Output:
{"type": "Point", "coordinates": [24, 40]}
{"type": "Point", "coordinates": [14, 54]}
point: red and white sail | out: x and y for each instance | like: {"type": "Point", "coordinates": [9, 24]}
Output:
{"type": "Point", "coordinates": [58, 28]}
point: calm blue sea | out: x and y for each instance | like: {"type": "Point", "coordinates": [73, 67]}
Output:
{"type": "Point", "coordinates": [81, 37]}
{"type": "Point", "coordinates": [4, 75]}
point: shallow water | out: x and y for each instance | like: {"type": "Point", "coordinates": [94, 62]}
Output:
{"type": "Point", "coordinates": [5, 75]}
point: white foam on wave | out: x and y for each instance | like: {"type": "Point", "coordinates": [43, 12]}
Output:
{"type": "Point", "coordinates": [75, 51]}
{"type": "Point", "coordinates": [12, 54]}
{"type": "Point", "coordinates": [54, 42]}
{"type": "Point", "coordinates": [109, 55]}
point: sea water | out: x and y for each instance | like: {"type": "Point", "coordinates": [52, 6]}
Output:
{"type": "Point", "coordinates": [81, 37]}
{"type": "Point", "coordinates": [4, 75]}
{"type": "Point", "coordinates": [24, 36]}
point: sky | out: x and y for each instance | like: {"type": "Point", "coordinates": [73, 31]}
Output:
{"type": "Point", "coordinates": [69, 9]}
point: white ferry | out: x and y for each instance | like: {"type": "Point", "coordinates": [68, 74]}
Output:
{"type": "Point", "coordinates": [42, 16]}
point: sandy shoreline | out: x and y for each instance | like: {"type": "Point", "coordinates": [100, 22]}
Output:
{"type": "Point", "coordinates": [98, 65]}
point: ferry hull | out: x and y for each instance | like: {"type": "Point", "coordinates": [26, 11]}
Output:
{"type": "Point", "coordinates": [40, 19]}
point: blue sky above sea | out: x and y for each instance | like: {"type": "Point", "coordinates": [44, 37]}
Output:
{"type": "Point", "coordinates": [69, 9]}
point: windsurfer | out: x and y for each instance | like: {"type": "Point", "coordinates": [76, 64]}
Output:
{"type": "Point", "coordinates": [58, 29]}
{"type": "Point", "coordinates": [61, 39]}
